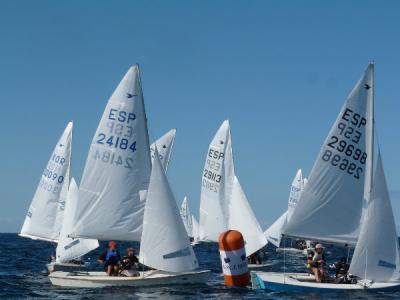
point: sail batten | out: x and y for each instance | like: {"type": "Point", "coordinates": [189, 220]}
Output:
{"type": "Point", "coordinates": [330, 207]}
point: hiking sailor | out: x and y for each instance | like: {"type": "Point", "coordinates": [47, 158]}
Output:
{"type": "Point", "coordinates": [316, 261]}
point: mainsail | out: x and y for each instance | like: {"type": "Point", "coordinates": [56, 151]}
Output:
{"type": "Point", "coordinates": [242, 218]}
{"type": "Point", "coordinates": [44, 217]}
{"type": "Point", "coordinates": [186, 216]}
{"type": "Point", "coordinates": [216, 187]}
{"type": "Point", "coordinates": [68, 248]}
{"type": "Point", "coordinates": [164, 146]}
{"type": "Point", "coordinates": [117, 171]}
{"type": "Point", "coordinates": [165, 244]}
{"type": "Point", "coordinates": [376, 255]}
{"type": "Point", "coordinates": [331, 204]}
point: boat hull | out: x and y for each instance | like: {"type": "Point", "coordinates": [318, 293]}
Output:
{"type": "Point", "coordinates": [65, 267]}
{"type": "Point", "coordinates": [303, 282]}
{"type": "Point", "coordinates": [148, 278]}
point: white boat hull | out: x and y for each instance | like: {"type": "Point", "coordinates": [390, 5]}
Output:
{"type": "Point", "coordinates": [65, 267]}
{"type": "Point", "coordinates": [304, 282]}
{"type": "Point", "coordinates": [148, 278]}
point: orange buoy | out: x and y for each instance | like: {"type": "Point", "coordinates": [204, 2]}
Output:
{"type": "Point", "coordinates": [233, 258]}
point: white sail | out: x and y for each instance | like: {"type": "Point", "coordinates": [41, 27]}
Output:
{"type": "Point", "coordinates": [165, 244]}
{"type": "Point", "coordinates": [295, 192]}
{"type": "Point", "coordinates": [330, 206]}
{"type": "Point", "coordinates": [376, 255]}
{"type": "Point", "coordinates": [186, 216]}
{"type": "Point", "coordinates": [164, 146]}
{"type": "Point", "coordinates": [217, 180]}
{"type": "Point", "coordinates": [242, 218]}
{"type": "Point", "coordinates": [305, 180]}
{"type": "Point", "coordinates": [196, 230]}
{"type": "Point", "coordinates": [68, 248]}
{"type": "Point", "coordinates": [44, 217]}
{"type": "Point", "coordinates": [274, 232]}
{"type": "Point", "coordinates": [116, 175]}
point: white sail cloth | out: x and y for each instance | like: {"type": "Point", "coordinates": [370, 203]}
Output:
{"type": "Point", "coordinates": [186, 216]}
{"type": "Point", "coordinates": [165, 244]}
{"type": "Point", "coordinates": [242, 218]}
{"type": "Point", "coordinates": [274, 232]}
{"type": "Point", "coordinates": [330, 206]}
{"type": "Point", "coordinates": [116, 175]}
{"type": "Point", "coordinates": [376, 255]}
{"type": "Point", "coordinates": [164, 146]}
{"type": "Point", "coordinates": [68, 248]}
{"type": "Point", "coordinates": [196, 230]}
{"type": "Point", "coordinates": [295, 192]}
{"type": "Point", "coordinates": [216, 187]}
{"type": "Point", "coordinates": [44, 217]}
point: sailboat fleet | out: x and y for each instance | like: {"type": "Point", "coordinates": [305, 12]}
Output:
{"type": "Point", "coordinates": [125, 195]}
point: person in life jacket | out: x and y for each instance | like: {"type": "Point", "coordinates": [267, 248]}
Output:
{"type": "Point", "coordinates": [110, 259]}
{"type": "Point", "coordinates": [129, 264]}
{"type": "Point", "coordinates": [316, 262]}
{"type": "Point", "coordinates": [342, 269]}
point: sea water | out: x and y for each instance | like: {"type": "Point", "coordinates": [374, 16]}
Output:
{"type": "Point", "coordinates": [23, 276]}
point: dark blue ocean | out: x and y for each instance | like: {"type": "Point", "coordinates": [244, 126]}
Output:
{"type": "Point", "coordinates": [23, 276]}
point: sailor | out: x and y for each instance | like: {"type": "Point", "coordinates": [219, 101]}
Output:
{"type": "Point", "coordinates": [110, 259]}
{"type": "Point", "coordinates": [316, 261]}
{"type": "Point", "coordinates": [129, 263]}
{"type": "Point", "coordinates": [342, 268]}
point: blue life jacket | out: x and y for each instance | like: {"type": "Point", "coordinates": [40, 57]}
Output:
{"type": "Point", "coordinates": [112, 255]}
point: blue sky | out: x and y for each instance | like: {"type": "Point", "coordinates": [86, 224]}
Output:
{"type": "Point", "coordinates": [279, 70]}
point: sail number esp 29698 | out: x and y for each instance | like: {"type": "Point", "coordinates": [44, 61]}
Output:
{"type": "Point", "coordinates": [342, 149]}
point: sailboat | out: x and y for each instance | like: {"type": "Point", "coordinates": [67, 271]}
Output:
{"type": "Point", "coordinates": [118, 199]}
{"type": "Point", "coordinates": [165, 245]}
{"type": "Point", "coordinates": [223, 203]}
{"type": "Point", "coordinates": [187, 217]}
{"type": "Point", "coordinates": [47, 214]}
{"type": "Point", "coordinates": [274, 232]}
{"type": "Point", "coordinates": [164, 145]}
{"type": "Point", "coordinates": [342, 204]}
